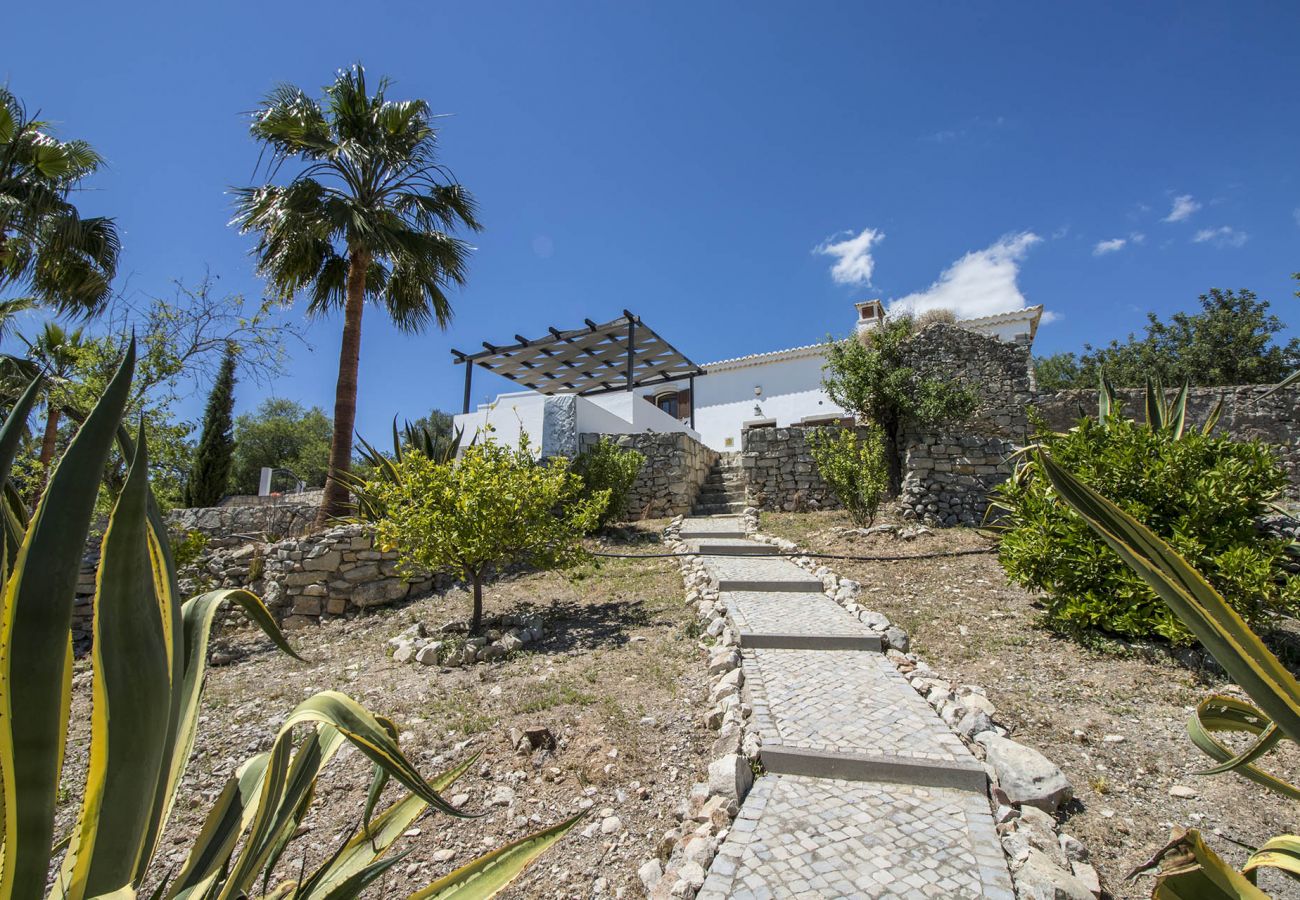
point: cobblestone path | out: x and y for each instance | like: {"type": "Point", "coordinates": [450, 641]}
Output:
{"type": "Point", "coordinates": [866, 793]}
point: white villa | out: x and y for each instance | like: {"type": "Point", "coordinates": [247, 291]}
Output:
{"type": "Point", "coordinates": [622, 378]}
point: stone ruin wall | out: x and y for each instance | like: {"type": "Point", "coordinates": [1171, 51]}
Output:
{"type": "Point", "coordinates": [948, 474]}
{"type": "Point", "coordinates": [669, 481]}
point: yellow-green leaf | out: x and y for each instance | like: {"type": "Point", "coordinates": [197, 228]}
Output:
{"type": "Point", "coordinates": [493, 872]}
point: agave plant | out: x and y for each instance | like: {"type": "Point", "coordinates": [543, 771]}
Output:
{"type": "Point", "coordinates": [1188, 867]}
{"type": "Point", "coordinates": [421, 439]}
{"type": "Point", "coordinates": [1161, 412]}
{"type": "Point", "coordinates": [149, 659]}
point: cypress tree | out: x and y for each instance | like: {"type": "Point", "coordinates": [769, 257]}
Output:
{"type": "Point", "coordinates": [211, 474]}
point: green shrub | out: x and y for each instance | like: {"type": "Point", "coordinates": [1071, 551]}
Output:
{"type": "Point", "coordinates": [188, 548]}
{"type": "Point", "coordinates": [609, 467]}
{"type": "Point", "coordinates": [493, 508]}
{"type": "Point", "coordinates": [852, 463]}
{"type": "Point", "coordinates": [1200, 493]}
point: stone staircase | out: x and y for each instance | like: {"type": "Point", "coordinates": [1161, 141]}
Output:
{"type": "Point", "coordinates": [723, 492]}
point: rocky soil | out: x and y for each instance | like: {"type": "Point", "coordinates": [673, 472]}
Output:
{"type": "Point", "coordinates": [1110, 715]}
{"type": "Point", "coordinates": [617, 680]}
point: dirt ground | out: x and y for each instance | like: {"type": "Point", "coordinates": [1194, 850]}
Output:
{"type": "Point", "coordinates": [617, 679]}
{"type": "Point", "coordinates": [1112, 717]}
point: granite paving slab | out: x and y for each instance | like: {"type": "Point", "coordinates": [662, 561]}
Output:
{"type": "Point", "coordinates": [795, 621]}
{"type": "Point", "coordinates": [712, 527]}
{"type": "Point", "coordinates": [734, 547]}
{"type": "Point", "coordinates": [817, 838]}
{"type": "Point", "coordinates": [847, 714]}
{"type": "Point", "coordinates": [759, 574]}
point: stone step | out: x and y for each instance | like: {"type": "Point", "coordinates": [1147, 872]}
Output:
{"type": "Point", "coordinates": [759, 574]}
{"type": "Point", "coordinates": [727, 490]}
{"type": "Point", "coordinates": [712, 527]}
{"type": "Point", "coordinates": [812, 837]}
{"type": "Point", "coordinates": [795, 621]}
{"type": "Point", "coordinates": [735, 547]}
{"type": "Point", "coordinates": [717, 509]}
{"type": "Point", "coordinates": [851, 715]}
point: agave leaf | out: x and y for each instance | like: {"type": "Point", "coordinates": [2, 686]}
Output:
{"type": "Point", "coordinates": [274, 782]}
{"type": "Point", "coordinates": [361, 728]}
{"type": "Point", "coordinates": [1155, 406]}
{"type": "Point", "coordinates": [1191, 598]}
{"type": "Point", "coordinates": [197, 615]}
{"type": "Point", "coordinates": [313, 755]}
{"type": "Point", "coordinates": [1218, 714]}
{"type": "Point", "coordinates": [1105, 399]}
{"type": "Point", "coordinates": [1281, 853]}
{"type": "Point", "coordinates": [494, 871]}
{"type": "Point", "coordinates": [1177, 415]}
{"type": "Point", "coordinates": [363, 848]}
{"type": "Point", "coordinates": [34, 639]}
{"type": "Point", "coordinates": [1284, 383]}
{"type": "Point", "coordinates": [131, 701]}
{"type": "Point", "coordinates": [226, 821]}
{"type": "Point", "coordinates": [15, 425]}
{"type": "Point", "coordinates": [1213, 418]}
{"type": "Point", "coordinates": [358, 881]}
{"type": "Point", "coordinates": [1190, 870]}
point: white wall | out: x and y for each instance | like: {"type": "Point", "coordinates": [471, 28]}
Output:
{"type": "Point", "coordinates": [508, 415]}
{"type": "Point", "coordinates": [791, 393]}
{"type": "Point", "coordinates": [614, 413]}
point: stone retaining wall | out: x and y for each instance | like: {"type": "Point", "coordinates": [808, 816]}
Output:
{"type": "Point", "coordinates": [235, 525]}
{"type": "Point", "coordinates": [1247, 415]}
{"type": "Point", "coordinates": [947, 477]}
{"type": "Point", "coordinates": [675, 468]}
{"type": "Point", "coordinates": [301, 580]}
{"type": "Point", "coordinates": [779, 469]}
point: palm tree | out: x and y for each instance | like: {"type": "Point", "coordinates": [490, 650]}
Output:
{"type": "Point", "coordinates": [56, 352]}
{"type": "Point", "coordinates": [65, 261]}
{"type": "Point", "coordinates": [367, 217]}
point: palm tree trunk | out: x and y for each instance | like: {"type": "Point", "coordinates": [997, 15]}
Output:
{"type": "Point", "coordinates": [335, 502]}
{"type": "Point", "coordinates": [52, 415]}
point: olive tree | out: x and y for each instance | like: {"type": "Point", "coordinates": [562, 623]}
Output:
{"type": "Point", "coordinates": [493, 508]}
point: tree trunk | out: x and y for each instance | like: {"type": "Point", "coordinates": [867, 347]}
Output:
{"type": "Point", "coordinates": [893, 457]}
{"type": "Point", "coordinates": [335, 503]}
{"type": "Point", "coordinates": [51, 436]}
{"type": "Point", "coordinates": [476, 621]}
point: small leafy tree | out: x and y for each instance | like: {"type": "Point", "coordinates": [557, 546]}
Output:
{"type": "Point", "coordinates": [609, 467]}
{"type": "Point", "coordinates": [282, 434]}
{"type": "Point", "coordinates": [1201, 493]}
{"type": "Point", "coordinates": [210, 476]}
{"type": "Point", "coordinates": [1232, 340]}
{"type": "Point", "coordinates": [873, 377]}
{"type": "Point", "coordinates": [852, 463]}
{"type": "Point", "coordinates": [495, 507]}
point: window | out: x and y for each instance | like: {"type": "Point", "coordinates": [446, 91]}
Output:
{"type": "Point", "coordinates": [668, 403]}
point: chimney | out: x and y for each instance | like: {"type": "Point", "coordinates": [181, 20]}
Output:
{"type": "Point", "coordinates": [870, 314]}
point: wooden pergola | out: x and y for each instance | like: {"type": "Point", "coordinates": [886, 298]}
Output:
{"type": "Point", "coordinates": [617, 356]}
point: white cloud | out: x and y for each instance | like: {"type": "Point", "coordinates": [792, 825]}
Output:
{"type": "Point", "coordinates": [981, 283]}
{"type": "Point", "coordinates": [1113, 245]}
{"type": "Point", "coordinates": [1183, 208]}
{"type": "Point", "coordinates": [1049, 317]}
{"type": "Point", "coordinates": [853, 261]}
{"type": "Point", "coordinates": [1224, 236]}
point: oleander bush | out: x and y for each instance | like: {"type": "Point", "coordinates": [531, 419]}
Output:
{"type": "Point", "coordinates": [852, 463]}
{"type": "Point", "coordinates": [147, 673]}
{"type": "Point", "coordinates": [1202, 493]}
{"type": "Point", "coordinates": [608, 467]}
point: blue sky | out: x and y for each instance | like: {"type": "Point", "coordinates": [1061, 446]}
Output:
{"type": "Point", "coordinates": [735, 173]}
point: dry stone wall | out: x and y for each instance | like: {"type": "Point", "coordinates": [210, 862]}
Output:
{"type": "Point", "coordinates": [675, 468]}
{"type": "Point", "coordinates": [1247, 415]}
{"type": "Point", "coordinates": [779, 470]}
{"type": "Point", "coordinates": [237, 524]}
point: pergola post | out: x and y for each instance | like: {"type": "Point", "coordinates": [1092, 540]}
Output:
{"type": "Point", "coordinates": [631, 349]}
{"type": "Point", "coordinates": [690, 386]}
{"type": "Point", "coordinates": [469, 377]}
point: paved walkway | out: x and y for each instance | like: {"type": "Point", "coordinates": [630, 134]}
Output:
{"type": "Point", "coordinates": [867, 792]}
